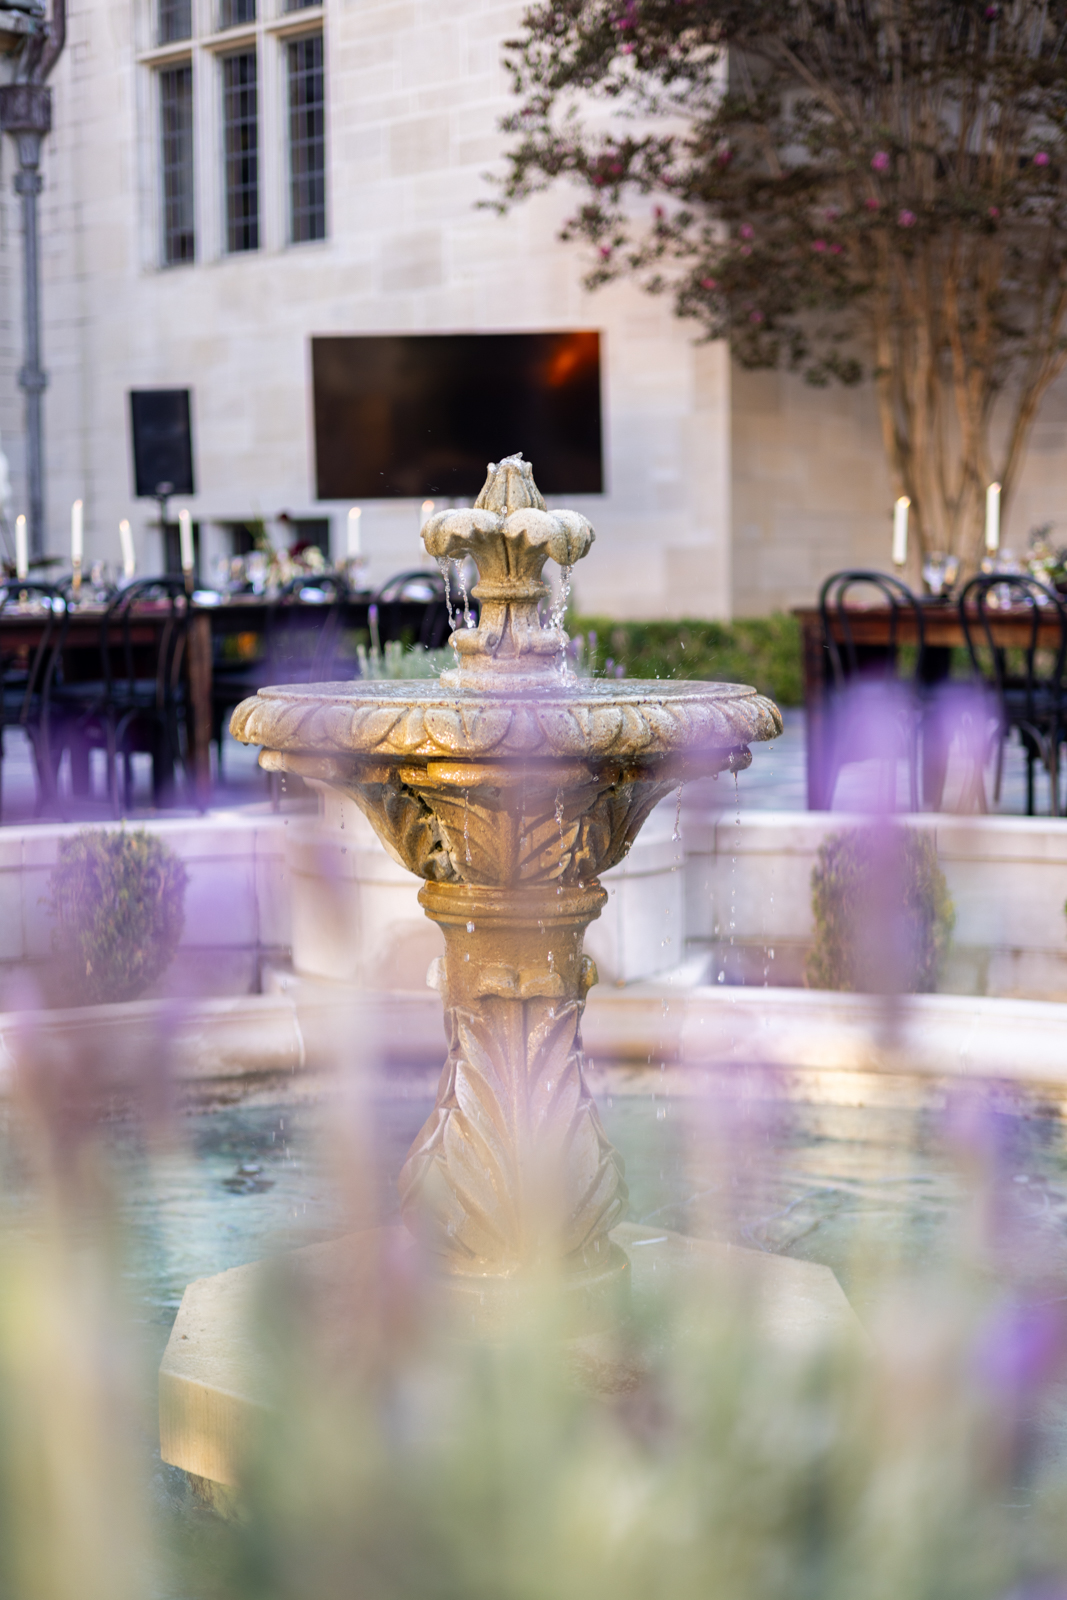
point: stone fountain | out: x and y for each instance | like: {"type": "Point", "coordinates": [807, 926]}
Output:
{"type": "Point", "coordinates": [509, 786]}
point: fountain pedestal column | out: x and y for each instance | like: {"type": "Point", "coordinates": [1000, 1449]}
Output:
{"type": "Point", "coordinates": [513, 1174]}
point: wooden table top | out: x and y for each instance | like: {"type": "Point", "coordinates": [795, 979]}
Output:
{"type": "Point", "coordinates": [942, 627]}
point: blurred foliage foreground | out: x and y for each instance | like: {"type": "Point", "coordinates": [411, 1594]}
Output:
{"type": "Point", "coordinates": [392, 1463]}
{"type": "Point", "coordinates": [761, 651]}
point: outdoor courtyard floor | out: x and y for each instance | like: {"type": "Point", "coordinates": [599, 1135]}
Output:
{"type": "Point", "coordinates": [776, 781]}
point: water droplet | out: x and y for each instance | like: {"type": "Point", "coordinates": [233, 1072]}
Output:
{"type": "Point", "coordinates": [470, 927]}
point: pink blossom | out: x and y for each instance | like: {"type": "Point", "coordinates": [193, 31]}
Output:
{"type": "Point", "coordinates": [872, 204]}
{"type": "Point", "coordinates": [709, 283]}
{"type": "Point", "coordinates": [994, 212]}
{"type": "Point", "coordinates": [818, 245]}
{"type": "Point", "coordinates": [658, 213]}
{"type": "Point", "coordinates": [906, 218]}
{"type": "Point", "coordinates": [880, 161]}
{"type": "Point", "coordinates": [1041, 159]}
{"type": "Point", "coordinates": [605, 251]}
{"type": "Point", "coordinates": [755, 316]}
{"type": "Point", "coordinates": [991, 13]}
{"type": "Point", "coordinates": [836, 249]}
{"type": "Point", "coordinates": [746, 230]}
{"type": "Point", "coordinates": [628, 49]}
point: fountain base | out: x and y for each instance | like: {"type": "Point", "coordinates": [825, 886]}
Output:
{"type": "Point", "coordinates": [591, 1299]}
{"type": "Point", "coordinates": [361, 1293]}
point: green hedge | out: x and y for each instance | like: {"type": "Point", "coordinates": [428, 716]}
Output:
{"type": "Point", "coordinates": [763, 651]}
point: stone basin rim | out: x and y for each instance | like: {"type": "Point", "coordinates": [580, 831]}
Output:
{"type": "Point", "coordinates": [405, 718]}
{"type": "Point", "coordinates": [402, 692]}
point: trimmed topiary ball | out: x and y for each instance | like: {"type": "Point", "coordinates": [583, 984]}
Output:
{"type": "Point", "coordinates": [118, 900]}
{"type": "Point", "coordinates": [883, 913]}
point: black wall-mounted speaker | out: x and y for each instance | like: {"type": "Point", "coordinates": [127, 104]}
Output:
{"type": "Point", "coordinates": [161, 425]}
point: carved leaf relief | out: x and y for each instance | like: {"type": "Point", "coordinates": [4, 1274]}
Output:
{"type": "Point", "coordinates": [505, 1180]}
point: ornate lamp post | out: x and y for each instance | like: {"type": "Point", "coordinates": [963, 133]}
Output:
{"type": "Point", "coordinates": [26, 113]}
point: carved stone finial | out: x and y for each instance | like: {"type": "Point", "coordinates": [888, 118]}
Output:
{"type": "Point", "coordinates": [509, 535]}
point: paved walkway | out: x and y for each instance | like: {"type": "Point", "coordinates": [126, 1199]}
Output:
{"type": "Point", "coordinates": [776, 781]}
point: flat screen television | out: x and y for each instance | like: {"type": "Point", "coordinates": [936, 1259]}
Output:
{"type": "Point", "coordinates": [411, 415]}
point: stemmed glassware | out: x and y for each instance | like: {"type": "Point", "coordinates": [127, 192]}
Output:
{"type": "Point", "coordinates": [940, 571]}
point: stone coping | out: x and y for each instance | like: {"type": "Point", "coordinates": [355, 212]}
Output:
{"type": "Point", "coordinates": [308, 1027]}
{"type": "Point", "coordinates": [711, 825]}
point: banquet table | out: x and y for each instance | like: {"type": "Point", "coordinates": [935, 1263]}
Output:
{"type": "Point", "coordinates": [237, 619]}
{"type": "Point", "coordinates": [871, 630]}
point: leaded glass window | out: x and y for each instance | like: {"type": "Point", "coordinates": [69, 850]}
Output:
{"type": "Point", "coordinates": [307, 140]}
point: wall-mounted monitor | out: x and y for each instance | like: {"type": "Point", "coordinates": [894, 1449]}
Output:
{"type": "Point", "coordinates": [162, 442]}
{"type": "Point", "coordinates": [411, 415]}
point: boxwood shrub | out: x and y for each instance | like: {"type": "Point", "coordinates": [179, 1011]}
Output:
{"type": "Point", "coordinates": [883, 914]}
{"type": "Point", "coordinates": [118, 903]}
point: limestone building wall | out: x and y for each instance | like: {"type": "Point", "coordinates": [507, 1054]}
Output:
{"type": "Point", "coordinates": [726, 493]}
{"type": "Point", "coordinates": [414, 94]}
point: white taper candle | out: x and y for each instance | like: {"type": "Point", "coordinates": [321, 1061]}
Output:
{"type": "Point", "coordinates": [129, 560]}
{"type": "Point", "coordinates": [77, 533]}
{"type": "Point", "coordinates": [22, 549]}
{"type": "Point", "coordinates": [185, 539]}
{"type": "Point", "coordinates": [992, 518]}
{"type": "Point", "coordinates": [900, 531]}
{"type": "Point", "coordinates": [355, 537]}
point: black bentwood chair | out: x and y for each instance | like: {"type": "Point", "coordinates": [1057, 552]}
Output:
{"type": "Point", "coordinates": [303, 631]}
{"type": "Point", "coordinates": [414, 606]}
{"type": "Point", "coordinates": [26, 675]}
{"type": "Point", "coordinates": [872, 710]}
{"type": "Point", "coordinates": [139, 702]}
{"type": "Point", "coordinates": [302, 638]}
{"type": "Point", "coordinates": [1025, 682]}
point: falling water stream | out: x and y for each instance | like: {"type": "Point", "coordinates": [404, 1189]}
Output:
{"type": "Point", "coordinates": [444, 567]}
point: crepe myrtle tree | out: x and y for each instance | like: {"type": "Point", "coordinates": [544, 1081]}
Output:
{"type": "Point", "coordinates": [847, 188]}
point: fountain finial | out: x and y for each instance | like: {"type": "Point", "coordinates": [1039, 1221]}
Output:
{"type": "Point", "coordinates": [510, 535]}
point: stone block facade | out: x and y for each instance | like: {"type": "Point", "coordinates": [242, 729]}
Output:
{"type": "Point", "coordinates": [726, 493]}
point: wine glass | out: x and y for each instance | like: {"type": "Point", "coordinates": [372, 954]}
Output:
{"type": "Point", "coordinates": [940, 571]}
